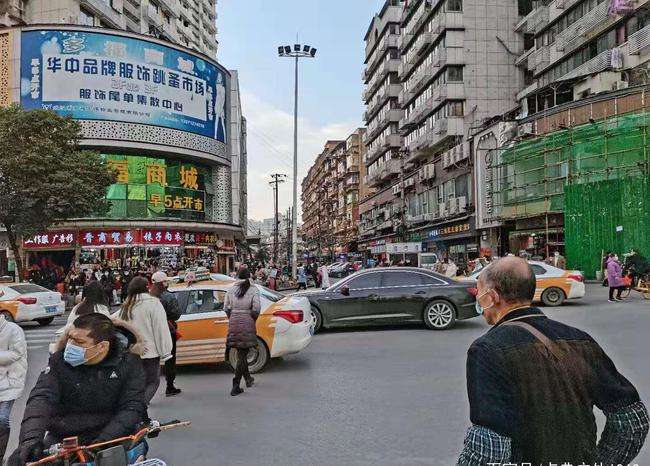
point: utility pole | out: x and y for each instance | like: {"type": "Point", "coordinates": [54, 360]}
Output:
{"type": "Point", "coordinates": [277, 178]}
{"type": "Point", "coordinates": [288, 236]}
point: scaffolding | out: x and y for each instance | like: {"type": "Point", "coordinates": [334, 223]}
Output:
{"type": "Point", "coordinates": [596, 174]}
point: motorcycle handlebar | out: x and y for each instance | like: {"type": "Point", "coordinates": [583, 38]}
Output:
{"type": "Point", "coordinates": [58, 451]}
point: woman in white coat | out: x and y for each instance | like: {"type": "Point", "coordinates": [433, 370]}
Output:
{"type": "Point", "coordinates": [13, 370]}
{"type": "Point", "coordinates": [147, 315]}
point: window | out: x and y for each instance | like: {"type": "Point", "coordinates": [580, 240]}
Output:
{"type": "Point", "coordinates": [454, 5]}
{"type": "Point", "coordinates": [461, 186]}
{"type": "Point", "coordinates": [367, 280]}
{"type": "Point", "coordinates": [455, 109]}
{"type": "Point", "coordinates": [455, 74]}
{"type": "Point", "coordinates": [429, 280]}
{"type": "Point", "coordinates": [29, 288]}
{"type": "Point", "coordinates": [204, 301]}
{"type": "Point", "coordinates": [86, 18]}
{"type": "Point", "coordinates": [538, 269]}
{"type": "Point", "coordinates": [391, 279]}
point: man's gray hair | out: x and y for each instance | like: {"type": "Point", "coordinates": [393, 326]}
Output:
{"type": "Point", "coordinates": [512, 278]}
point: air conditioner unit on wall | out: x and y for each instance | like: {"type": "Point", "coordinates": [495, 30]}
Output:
{"type": "Point", "coordinates": [396, 190]}
{"type": "Point", "coordinates": [525, 130]}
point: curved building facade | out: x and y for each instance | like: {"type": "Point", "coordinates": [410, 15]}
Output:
{"type": "Point", "coordinates": [161, 116]}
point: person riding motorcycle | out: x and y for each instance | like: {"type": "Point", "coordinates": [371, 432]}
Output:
{"type": "Point", "coordinates": [92, 388]}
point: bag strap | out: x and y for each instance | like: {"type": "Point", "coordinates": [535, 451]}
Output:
{"type": "Point", "coordinates": [551, 346]}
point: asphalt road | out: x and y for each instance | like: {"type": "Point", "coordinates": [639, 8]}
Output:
{"type": "Point", "coordinates": [373, 397]}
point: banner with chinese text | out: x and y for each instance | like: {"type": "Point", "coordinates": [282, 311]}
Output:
{"type": "Point", "coordinates": [100, 76]}
{"type": "Point", "coordinates": [51, 239]}
{"type": "Point", "coordinates": [150, 187]}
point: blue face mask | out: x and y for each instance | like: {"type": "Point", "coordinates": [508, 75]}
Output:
{"type": "Point", "coordinates": [74, 355]}
{"type": "Point", "coordinates": [477, 306]}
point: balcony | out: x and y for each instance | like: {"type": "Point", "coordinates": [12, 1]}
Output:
{"type": "Point", "coordinates": [599, 63]}
{"type": "Point", "coordinates": [539, 59]}
{"type": "Point", "coordinates": [446, 128]}
{"type": "Point", "coordinates": [420, 79]}
{"type": "Point", "coordinates": [447, 20]}
{"type": "Point", "coordinates": [387, 66]}
{"type": "Point", "coordinates": [422, 43]}
{"type": "Point", "coordinates": [586, 27]}
{"type": "Point", "coordinates": [105, 12]}
{"type": "Point", "coordinates": [538, 19]}
{"type": "Point", "coordinates": [639, 40]}
{"type": "Point", "coordinates": [451, 91]}
{"type": "Point", "coordinates": [391, 168]}
{"type": "Point", "coordinates": [153, 16]}
{"type": "Point", "coordinates": [380, 122]}
{"type": "Point", "coordinates": [171, 6]}
{"type": "Point", "coordinates": [379, 99]}
{"type": "Point", "coordinates": [522, 60]}
{"type": "Point", "coordinates": [388, 41]}
{"type": "Point", "coordinates": [418, 148]}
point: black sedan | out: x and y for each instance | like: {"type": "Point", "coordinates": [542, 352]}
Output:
{"type": "Point", "coordinates": [393, 295]}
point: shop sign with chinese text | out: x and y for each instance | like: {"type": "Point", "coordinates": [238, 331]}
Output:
{"type": "Point", "coordinates": [101, 76]}
{"type": "Point", "coordinates": [149, 187]}
{"type": "Point", "coordinates": [200, 238]}
{"type": "Point", "coordinates": [449, 230]}
{"type": "Point", "coordinates": [162, 237]}
{"type": "Point", "coordinates": [108, 238]}
{"type": "Point", "coordinates": [51, 239]}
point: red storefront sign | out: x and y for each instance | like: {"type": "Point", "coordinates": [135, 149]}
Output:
{"type": "Point", "coordinates": [108, 238]}
{"type": "Point", "coordinates": [50, 239]}
{"type": "Point", "coordinates": [162, 237]}
{"type": "Point", "coordinates": [226, 245]}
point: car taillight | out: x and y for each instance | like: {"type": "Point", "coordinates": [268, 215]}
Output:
{"type": "Point", "coordinates": [576, 277]}
{"type": "Point", "coordinates": [473, 291]}
{"type": "Point", "coordinates": [26, 300]}
{"type": "Point", "coordinates": [292, 316]}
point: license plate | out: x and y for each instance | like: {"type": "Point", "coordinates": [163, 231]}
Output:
{"type": "Point", "coordinates": [50, 309]}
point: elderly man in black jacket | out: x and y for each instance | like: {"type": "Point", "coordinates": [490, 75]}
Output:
{"type": "Point", "coordinates": [533, 382]}
{"type": "Point", "coordinates": [94, 389]}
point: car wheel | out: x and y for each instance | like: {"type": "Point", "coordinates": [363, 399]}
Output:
{"type": "Point", "coordinates": [317, 322]}
{"type": "Point", "coordinates": [439, 315]}
{"type": "Point", "coordinates": [553, 296]}
{"type": "Point", "coordinates": [8, 316]}
{"type": "Point", "coordinates": [45, 321]}
{"type": "Point", "coordinates": [258, 357]}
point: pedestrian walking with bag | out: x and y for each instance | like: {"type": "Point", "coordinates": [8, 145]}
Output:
{"type": "Point", "coordinates": [159, 289]}
{"type": "Point", "coordinates": [147, 316]}
{"type": "Point", "coordinates": [13, 370]}
{"type": "Point", "coordinates": [614, 278]}
{"type": "Point", "coordinates": [533, 382]}
{"type": "Point", "coordinates": [242, 306]}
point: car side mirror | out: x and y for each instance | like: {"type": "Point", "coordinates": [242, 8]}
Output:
{"type": "Point", "coordinates": [345, 290]}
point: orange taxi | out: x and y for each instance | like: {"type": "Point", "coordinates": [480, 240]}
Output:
{"type": "Point", "coordinates": [554, 285]}
{"type": "Point", "coordinates": [285, 325]}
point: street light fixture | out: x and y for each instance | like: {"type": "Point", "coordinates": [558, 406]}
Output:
{"type": "Point", "coordinates": [297, 52]}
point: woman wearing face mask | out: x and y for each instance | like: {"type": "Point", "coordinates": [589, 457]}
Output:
{"type": "Point", "coordinates": [614, 278]}
{"type": "Point", "coordinates": [147, 315]}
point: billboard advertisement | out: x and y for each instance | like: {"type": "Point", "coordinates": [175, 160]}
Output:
{"type": "Point", "coordinates": [99, 76]}
{"type": "Point", "coordinates": [148, 187]}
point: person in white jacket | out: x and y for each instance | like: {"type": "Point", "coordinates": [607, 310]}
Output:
{"type": "Point", "coordinates": [94, 300]}
{"type": "Point", "coordinates": [147, 315]}
{"type": "Point", "coordinates": [13, 370]}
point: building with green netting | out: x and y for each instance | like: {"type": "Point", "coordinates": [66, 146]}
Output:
{"type": "Point", "coordinates": [586, 188]}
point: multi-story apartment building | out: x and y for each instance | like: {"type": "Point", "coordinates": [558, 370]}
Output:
{"type": "Point", "coordinates": [576, 48]}
{"type": "Point", "coordinates": [455, 70]}
{"type": "Point", "coordinates": [191, 23]}
{"type": "Point", "coordinates": [330, 197]}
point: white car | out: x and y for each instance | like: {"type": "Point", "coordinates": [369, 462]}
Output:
{"type": "Point", "coordinates": [554, 285]}
{"type": "Point", "coordinates": [30, 303]}
{"type": "Point", "coordinates": [285, 325]}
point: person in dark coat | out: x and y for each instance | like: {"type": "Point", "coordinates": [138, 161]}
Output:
{"type": "Point", "coordinates": [533, 383]}
{"type": "Point", "coordinates": [93, 388]}
{"type": "Point", "coordinates": [242, 305]}
{"type": "Point", "coordinates": [160, 282]}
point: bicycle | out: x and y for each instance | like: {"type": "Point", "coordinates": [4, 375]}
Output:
{"type": "Point", "coordinates": [122, 451]}
{"type": "Point", "coordinates": [640, 283]}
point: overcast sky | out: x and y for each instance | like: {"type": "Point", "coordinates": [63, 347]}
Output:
{"type": "Point", "coordinates": [330, 85]}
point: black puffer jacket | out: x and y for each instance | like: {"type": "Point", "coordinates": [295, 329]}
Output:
{"type": "Point", "coordinates": [96, 403]}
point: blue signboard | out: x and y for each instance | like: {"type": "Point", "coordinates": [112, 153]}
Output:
{"type": "Point", "coordinates": [97, 76]}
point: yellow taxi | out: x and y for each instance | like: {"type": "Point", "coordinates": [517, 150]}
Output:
{"type": "Point", "coordinates": [554, 285]}
{"type": "Point", "coordinates": [285, 325]}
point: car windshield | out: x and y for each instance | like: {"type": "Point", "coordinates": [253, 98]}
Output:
{"type": "Point", "coordinates": [28, 288]}
{"type": "Point", "coordinates": [428, 259]}
{"type": "Point", "coordinates": [270, 294]}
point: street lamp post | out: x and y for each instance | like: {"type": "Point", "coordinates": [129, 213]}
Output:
{"type": "Point", "coordinates": [296, 53]}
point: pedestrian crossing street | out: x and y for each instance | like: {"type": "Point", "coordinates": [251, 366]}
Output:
{"type": "Point", "coordinates": [38, 337]}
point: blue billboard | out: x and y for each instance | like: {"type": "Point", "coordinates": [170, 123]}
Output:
{"type": "Point", "coordinates": [98, 76]}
